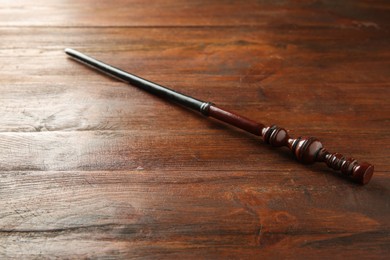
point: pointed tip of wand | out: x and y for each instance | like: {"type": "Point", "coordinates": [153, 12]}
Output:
{"type": "Point", "coordinates": [68, 50]}
{"type": "Point", "coordinates": [74, 54]}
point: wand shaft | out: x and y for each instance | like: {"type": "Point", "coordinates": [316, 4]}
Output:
{"type": "Point", "coordinates": [305, 149]}
{"type": "Point", "coordinates": [144, 84]}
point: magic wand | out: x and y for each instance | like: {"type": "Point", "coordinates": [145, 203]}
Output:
{"type": "Point", "coordinates": [306, 149]}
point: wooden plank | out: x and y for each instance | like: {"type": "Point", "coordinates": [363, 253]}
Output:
{"type": "Point", "coordinates": [291, 57]}
{"type": "Point", "coordinates": [148, 149]}
{"type": "Point", "coordinates": [116, 106]}
{"type": "Point", "coordinates": [355, 14]}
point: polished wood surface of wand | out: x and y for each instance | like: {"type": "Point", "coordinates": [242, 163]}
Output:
{"type": "Point", "coordinates": [305, 149]}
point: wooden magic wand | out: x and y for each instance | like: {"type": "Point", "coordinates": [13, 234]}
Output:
{"type": "Point", "coordinates": [306, 149]}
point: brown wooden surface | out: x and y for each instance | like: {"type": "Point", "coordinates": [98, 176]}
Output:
{"type": "Point", "coordinates": [91, 167]}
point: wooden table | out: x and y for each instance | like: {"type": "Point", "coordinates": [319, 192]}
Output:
{"type": "Point", "coordinates": [92, 167]}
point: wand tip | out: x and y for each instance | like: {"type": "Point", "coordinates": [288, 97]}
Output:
{"type": "Point", "coordinates": [68, 50]}
{"type": "Point", "coordinates": [73, 53]}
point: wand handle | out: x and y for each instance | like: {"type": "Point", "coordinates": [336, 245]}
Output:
{"type": "Point", "coordinates": [306, 150]}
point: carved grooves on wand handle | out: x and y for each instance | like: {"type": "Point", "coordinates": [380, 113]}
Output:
{"type": "Point", "coordinates": [309, 150]}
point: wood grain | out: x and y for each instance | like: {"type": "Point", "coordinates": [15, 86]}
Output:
{"type": "Point", "coordinates": [93, 168]}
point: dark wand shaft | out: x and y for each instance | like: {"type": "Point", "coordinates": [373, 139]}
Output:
{"type": "Point", "coordinates": [306, 149]}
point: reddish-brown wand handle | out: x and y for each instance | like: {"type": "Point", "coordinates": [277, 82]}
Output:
{"type": "Point", "coordinates": [306, 149]}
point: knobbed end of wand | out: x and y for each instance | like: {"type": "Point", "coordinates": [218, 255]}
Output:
{"type": "Point", "coordinates": [308, 150]}
{"type": "Point", "coordinates": [349, 167]}
{"type": "Point", "coordinates": [363, 173]}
